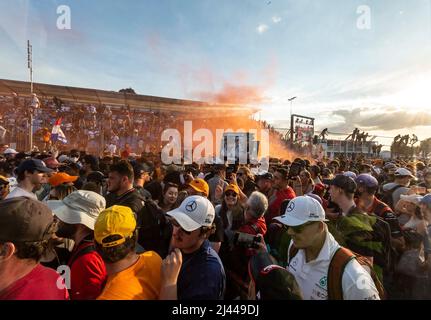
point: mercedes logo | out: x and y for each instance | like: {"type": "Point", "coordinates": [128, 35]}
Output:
{"type": "Point", "coordinates": [290, 207]}
{"type": "Point", "coordinates": [191, 206]}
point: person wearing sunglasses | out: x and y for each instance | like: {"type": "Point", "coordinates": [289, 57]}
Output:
{"type": "Point", "coordinates": [4, 187]}
{"type": "Point", "coordinates": [312, 250]}
{"type": "Point", "coordinates": [193, 270]}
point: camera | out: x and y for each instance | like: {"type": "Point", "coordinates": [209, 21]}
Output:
{"type": "Point", "coordinates": [246, 240]}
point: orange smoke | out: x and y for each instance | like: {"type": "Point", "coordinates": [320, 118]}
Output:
{"type": "Point", "coordinates": [233, 94]}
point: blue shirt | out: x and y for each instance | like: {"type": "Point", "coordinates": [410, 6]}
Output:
{"type": "Point", "coordinates": [202, 275]}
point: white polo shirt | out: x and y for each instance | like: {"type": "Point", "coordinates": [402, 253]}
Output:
{"type": "Point", "coordinates": [312, 277]}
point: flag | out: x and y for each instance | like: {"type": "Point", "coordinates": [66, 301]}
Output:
{"type": "Point", "coordinates": [57, 133]}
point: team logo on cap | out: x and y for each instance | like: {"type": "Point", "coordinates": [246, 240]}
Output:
{"type": "Point", "coordinates": [191, 206]}
{"type": "Point", "coordinates": [290, 207]}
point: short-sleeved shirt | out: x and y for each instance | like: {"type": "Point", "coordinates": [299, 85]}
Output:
{"type": "Point", "coordinates": [41, 283]}
{"type": "Point", "coordinates": [202, 276]}
{"type": "Point", "coordinates": [20, 192]}
{"type": "Point", "coordinates": [141, 281]}
{"type": "Point", "coordinates": [312, 276]}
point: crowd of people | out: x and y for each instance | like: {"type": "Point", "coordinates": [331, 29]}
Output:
{"type": "Point", "coordinates": [84, 124]}
{"type": "Point", "coordinates": [131, 228]}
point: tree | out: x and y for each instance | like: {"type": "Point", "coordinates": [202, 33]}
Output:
{"type": "Point", "coordinates": [127, 90]}
{"type": "Point", "coordinates": [425, 147]}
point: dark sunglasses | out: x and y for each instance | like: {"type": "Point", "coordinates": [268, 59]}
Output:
{"type": "Point", "coordinates": [177, 225]}
{"type": "Point", "coordinates": [230, 194]}
{"type": "Point", "coordinates": [299, 229]}
{"type": "Point", "coordinates": [240, 173]}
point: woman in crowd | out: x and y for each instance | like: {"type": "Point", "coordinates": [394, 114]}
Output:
{"type": "Point", "coordinates": [169, 197]}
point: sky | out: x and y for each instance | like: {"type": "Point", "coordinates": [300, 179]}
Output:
{"type": "Point", "coordinates": [350, 63]}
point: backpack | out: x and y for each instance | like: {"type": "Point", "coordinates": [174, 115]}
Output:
{"type": "Point", "coordinates": [387, 198]}
{"type": "Point", "coordinates": [336, 269]}
{"type": "Point", "coordinates": [154, 230]}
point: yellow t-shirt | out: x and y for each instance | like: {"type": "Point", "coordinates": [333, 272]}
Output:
{"type": "Point", "coordinates": [140, 281]}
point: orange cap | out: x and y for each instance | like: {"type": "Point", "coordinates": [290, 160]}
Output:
{"type": "Point", "coordinates": [200, 185]}
{"type": "Point", "coordinates": [60, 178]}
{"type": "Point", "coordinates": [232, 187]}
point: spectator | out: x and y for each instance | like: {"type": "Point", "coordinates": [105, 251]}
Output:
{"type": "Point", "coordinates": [283, 192]}
{"type": "Point", "coordinates": [201, 274]}
{"type": "Point", "coordinates": [270, 281]}
{"type": "Point", "coordinates": [121, 191]}
{"type": "Point", "coordinates": [315, 174]}
{"type": "Point", "coordinates": [60, 178]}
{"type": "Point", "coordinates": [169, 198]}
{"type": "Point", "coordinates": [307, 184]}
{"type": "Point", "coordinates": [99, 179]}
{"type": "Point", "coordinates": [368, 202]}
{"type": "Point", "coordinates": [77, 214]}
{"type": "Point", "coordinates": [311, 255]}
{"type": "Point", "coordinates": [217, 180]}
{"type": "Point", "coordinates": [367, 235]}
{"type": "Point", "coordinates": [265, 183]}
{"type": "Point", "coordinates": [245, 174]}
{"type": "Point", "coordinates": [141, 178]}
{"type": "Point", "coordinates": [26, 230]}
{"type": "Point", "coordinates": [60, 192]}
{"type": "Point", "coordinates": [230, 210]}
{"type": "Point", "coordinates": [393, 190]}
{"type": "Point", "coordinates": [4, 187]}
{"type": "Point", "coordinates": [130, 276]}
{"type": "Point", "coordinates": [30, 176]}
{"type": "Point", "coordinates": [427, 180]}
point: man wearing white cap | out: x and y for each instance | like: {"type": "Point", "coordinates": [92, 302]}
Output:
{"type": "Point", "coordinates": [194, 270]}
{"type": "Point", "coordinates": [313, 251]}
{"type": "Point", "coordinates": [78, 213]}
{"type": "Point", "coordinates": [394, 190]}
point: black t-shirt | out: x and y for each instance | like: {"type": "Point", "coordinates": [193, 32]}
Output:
{"type": "Point", "coordinates": [219, 233]}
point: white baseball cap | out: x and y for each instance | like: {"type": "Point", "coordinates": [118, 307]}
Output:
{"type": "Point", "coordinates": [402, 172]}
{"type": "Point", "coordinates": [413, 198]}
{"type": "Point", "coordinates": [301, 210]}
{"type": "Point", "coordinates": [10, 151]}
{"type": "Point", "coordinates": [193, 213]}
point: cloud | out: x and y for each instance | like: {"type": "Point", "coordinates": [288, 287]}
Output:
{"type": "Point", "coordinates": [262, 28]}
{"type": "Point", "coordinates": [384, 119]}
{"type": "Point", "coordinates": [276, 19]}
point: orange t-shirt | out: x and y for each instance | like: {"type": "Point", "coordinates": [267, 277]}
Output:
{"type": "Point", "coordinates": [140, 281]}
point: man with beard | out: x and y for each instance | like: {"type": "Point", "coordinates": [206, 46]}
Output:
{"type": "Point", "coordinates": [30, 176]}
{"type": "Point", "coordinates": [283, 192]}
{"type": "Point", "coordinates": [77, 214]}
{"type": "Point", "coordinates": [121, 190]}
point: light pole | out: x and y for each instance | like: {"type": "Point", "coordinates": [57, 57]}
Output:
{"type": "Point", "coordinates": [30, 67]}
{"type": "Point", "coordinates": [291, 99]}
{"type": "Point", "coordinates": [291, 120]}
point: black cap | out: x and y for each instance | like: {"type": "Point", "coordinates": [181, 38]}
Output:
{"type": "Point", "coordinates": [267, 176]}
{"type": "Point", "coordinates": [272, 281]}
{"type": "Point", "coordinates": [343, 182]}
{"type": "Point", "coordinates": [25, 220]}
{"type": "Point", "coordinates": [33, 164]}
{"type": "Point", "coordinates": [96, 176]}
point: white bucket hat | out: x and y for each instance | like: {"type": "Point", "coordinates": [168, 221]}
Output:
{"type": "Point", "coordinates": [79, 207]}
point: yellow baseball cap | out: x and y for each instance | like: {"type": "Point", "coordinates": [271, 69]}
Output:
{"type": "Point", "coordinates": [232, 187]}
{"type": "Point", "coordinates": [115, 220]}
{"type": "Point", "coordinates": [200, 185]}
